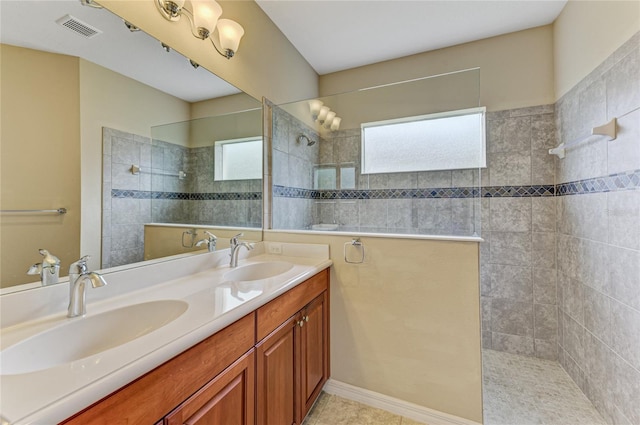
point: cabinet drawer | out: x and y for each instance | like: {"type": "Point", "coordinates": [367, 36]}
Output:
{"type": "Point", "coordinates": [274, 313]}
{"type": "Point", "coordinates": [155, 394]}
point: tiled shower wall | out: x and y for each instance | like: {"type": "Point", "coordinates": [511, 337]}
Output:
{"type": "Point", "coordinates": [598, 232]}
{"type": "Point", "coordinates": [130, 201]}
{"type": "Point", "coordinates": [292, 167]}
{"type": "Point", "coordinates": [517, 259]}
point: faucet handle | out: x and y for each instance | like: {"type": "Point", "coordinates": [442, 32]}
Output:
{"type": "Point", "coordinates": [212, 237]}
{"type": "Point", "coordinates": [234, 240]}
{"type": "Point", "coordinates": [79, 266]}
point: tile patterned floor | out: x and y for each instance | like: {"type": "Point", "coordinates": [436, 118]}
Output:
{"type": "Point", "coordinates": [518, 390]}
{"type": "Point", "coordinates": [521, 390]}
{"type": "Point", "coordinates": [334, 410]}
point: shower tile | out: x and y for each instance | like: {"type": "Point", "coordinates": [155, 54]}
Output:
{"type": "Point", "coordinates": [280, 168]}
{"type": "Point", "coordinates": [572, 298]}
{"type": "Point", "coordinates": [125, 151]}
{"type": "Point", "coordinates": [434, 214]}
{"type": "Point", "coordinates": [624, 151]}
{"type": "Point", "coordinates": [543, 167]}
{"type": "Point", "coordinates": [511, 317]}
{"type": "Point", "coordinates": [573, 334]}
{"type": "Point", "coordinates": [593, 260]}
{"type": "Point", "coordinates": [623, 85]}
{"type": "Point", "coordinates": [485, 313]}
{"type": "Point", "coordinates": [545, 322]}
{"type": "Point", "coordinates": [510, 169]}
{"type": "Point", "coordinates": [593, 105]}
{"type": "Point", "coordinates": [121, 177]}
{"type": "Point", "coordinates": [627, 390]}
{"type": "Point", "coordinates": [597, 314]}
{"type": "Point", "coordinates": [544, 285]}
{"type": "Point", "coordinates": [623, 275]}
{"type": "Point", "coordinates": [543, 132]}
{"type": "Point", "coordinates": [106, 168]}
{"type": "Point", "coordinates": [145, 155]}
{"type": "Point", "coordinates": [373, 212]}
{"type": "Point", "coordinates": [464, 178]}
{"type": "Point", "coordinates": [512, 248]}
{"type": "Point", "coordinates": [544, 249]}
{"type": "Point", "coordinates": [400, 213]}
{"type": "Point", "coordinates": [427, 179]}
{"type": "Point", "coordinates": [511, 282]}
{"type": "Point", "coordinates": [510, 214]}
{"type": "Point", "coordinates": [543, 214]}
{"type": "Point", "coordinates": [512, 344]}
{"type": "Point", "coordinates": [509, 134]}
{"type": "Point", "coordinates": [624, 218]}
{"type": "Point", "coordinates": [126, 236]}
{"type": "Point", "coordinates": [546, 349]}
{"type": "Point", "coordinates": [347, 213]}
{"type": "Point", "coordinates": [532, 110]}
{"type": "Point", "coordinates": [625, 337]}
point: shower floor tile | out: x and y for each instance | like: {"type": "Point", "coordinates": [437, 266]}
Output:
{"type": "Point", "coordinates": [519, 390]}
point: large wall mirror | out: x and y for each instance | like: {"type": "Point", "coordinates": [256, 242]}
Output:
{"type": "Point", "coordinates": [123, 133]}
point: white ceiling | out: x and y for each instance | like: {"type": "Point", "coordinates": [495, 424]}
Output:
{"type": "Point", "coordinates": [331, 34]}
{"type": "Point", "coordinates": [32, 24]}
{"type": "Point", "coordinates": [334, 35]}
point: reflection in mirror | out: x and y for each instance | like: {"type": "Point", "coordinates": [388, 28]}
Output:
{"type": "Point", "coordinates": [167, 190]}
{"type": "Point", "coordinates": [121, 81]}
{"type": "Point", "coordinates": [420, 186]}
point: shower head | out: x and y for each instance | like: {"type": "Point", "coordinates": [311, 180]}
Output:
{"type": "Point", "coordinates": [303, 138]}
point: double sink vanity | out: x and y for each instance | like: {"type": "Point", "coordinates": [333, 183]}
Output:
{"type": "Point", "coordinates": [190, 340]}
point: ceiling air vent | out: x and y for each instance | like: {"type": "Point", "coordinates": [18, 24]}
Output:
{"type": "Point", "coordinates": [77, 26]}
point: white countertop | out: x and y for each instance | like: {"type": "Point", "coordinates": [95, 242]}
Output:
{"type": "Point", "coordinates": [52, 395]}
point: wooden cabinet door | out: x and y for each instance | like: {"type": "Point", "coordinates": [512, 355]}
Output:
{"type": "Point", "coordinates": [314, 352]}
{"type": "Point", "coordinates": [228, 399]}
{"type": "Point", "coordinates": [276, 379]}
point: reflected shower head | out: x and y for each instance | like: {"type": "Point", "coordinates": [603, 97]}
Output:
{"type": "Point", "coordinates": [303, 138]}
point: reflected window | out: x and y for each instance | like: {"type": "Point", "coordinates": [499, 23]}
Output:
{"type": "Point", "coordinates": [238, 159]}
{"type": "Point", "coordinates": [443, 141]}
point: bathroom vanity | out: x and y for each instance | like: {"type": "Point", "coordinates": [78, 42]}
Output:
{"type": "Point", "coordinates": [253, 350]}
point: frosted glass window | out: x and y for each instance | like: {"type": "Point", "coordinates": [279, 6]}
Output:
{"type": "Point", "coordinates": [444, 141]}
{"type": "Point", "coordinates": [347, 176]}
{"type": "Point", "coordinates": [238, 159]}
{"type": "Point", "coordinates": [324, 177]}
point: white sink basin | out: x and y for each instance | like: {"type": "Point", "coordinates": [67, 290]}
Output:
{"type": "Point", "coordinates": [82, 337]}
{"type": "Point", "coordinates": [258, 271]}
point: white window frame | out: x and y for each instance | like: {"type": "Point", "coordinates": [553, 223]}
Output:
{"type": "Point", "coordinates": [219, 157]}
{"type": "Point", "coordinates": [462, 112]}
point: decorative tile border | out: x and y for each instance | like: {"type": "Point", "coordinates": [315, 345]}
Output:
{"type": "Point", "coordinates": [621, 181]}
{"type": "Point", "coordinates": [225, 196]}
{"type": "Point", "coordinates": [429, 193]}
{"type": "Point", "coordinates": [614, 182]}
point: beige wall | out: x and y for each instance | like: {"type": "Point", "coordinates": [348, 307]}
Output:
{"type": "Point", "coordinates": [163, 241]}
{"type": "Point", "coordinates": [407, 322]}
{"type": "Point", "coordinates": [586, 33]}
{"type": "Point", "coordinates": [266, 63]}
{"type": "Point", "coordinates": [112, 100]}
{"type": "Point", "coordinates": [516, 70]}
{"type": "Point", "coordinates": [39, 159]}
{"type": "Point", "coordinates": [223, 105]}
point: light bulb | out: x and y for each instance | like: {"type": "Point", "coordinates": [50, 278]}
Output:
{"type": "Point", "coordinates": [323, 114]}
{"type": "Point", "coordinates": [230, 33]}
{"type": "Point", "coordinates": [330, 116]}
{"type": "Point", "coordinates": [314, 107]}
{"type": "Point", "coordinates": [205, 16]}
{"type": "Point", "coordinates": [335, 124]}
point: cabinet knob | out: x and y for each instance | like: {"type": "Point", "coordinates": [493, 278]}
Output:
{"type": "Point", "coordinates": [301, 323]}
{"type": "Point", "coordinates": [306, 318]}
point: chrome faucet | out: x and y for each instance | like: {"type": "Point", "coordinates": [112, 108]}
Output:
{"type": "Point", "coordinates": [48, 270]}
{"type": "Point", "coordinates": [78, 275]}
{"type": "Point", "coordinates": [235, 246]}
{"type": "Point", "coordinates": [210, 241]}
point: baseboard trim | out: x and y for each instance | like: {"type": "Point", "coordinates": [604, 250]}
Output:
{"type": "Point", "coordinates": [394, 405]}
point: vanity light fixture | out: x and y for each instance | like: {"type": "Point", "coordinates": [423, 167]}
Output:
{"type": "Point", "coordinates": [329, 119]}
{"type": "Point", "coordinates": [324, 115]}
{"type": "Point", "coordinates": [203, 16]}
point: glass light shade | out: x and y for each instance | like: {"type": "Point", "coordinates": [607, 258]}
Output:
{"type": "Point", "coordinates": [335, 124]}
{"type": "Point", "coordinates": [330, 116]}
{"type": "Point", "coordinates": [323, 114]}
{"type": "Point", "coordinates": [314, 107]}
{"type": "Point", "coordinates": [230, 33]}
{"type": "Point", "coordinates": [206, 14]}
